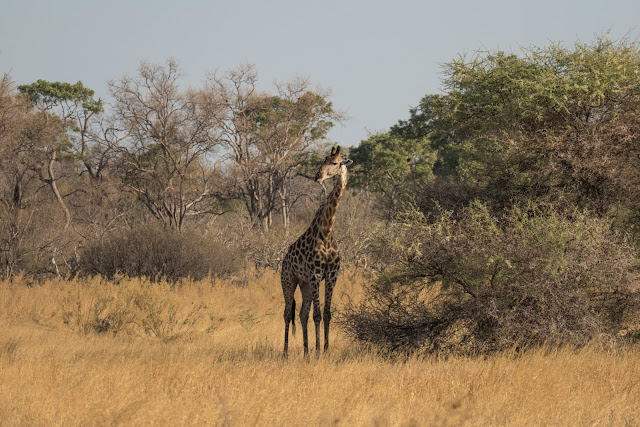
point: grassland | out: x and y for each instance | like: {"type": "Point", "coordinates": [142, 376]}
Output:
{"type": "Point", "coordinates": [209, 353]}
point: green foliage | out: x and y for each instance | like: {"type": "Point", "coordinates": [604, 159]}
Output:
{"type": "Point", "coordinates": [71, 106]}
{"type": "Point", "coordinates": [556, 123]}
{"type": "Point", "coordinates": [391, 166]}
{"type": "Point", "coordinates": [53, 93]}
{"type": "Point", "coordinates": [548, 143]}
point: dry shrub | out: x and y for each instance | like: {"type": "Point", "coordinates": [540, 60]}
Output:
{"type": "Point", "coordinates": [260, 248]}
{"type": "Point", "coordinates": [357, 227]}
{"type": "Point", "coordinates": [267, 249]}
{"type": "Point", "coordinates": [156, 252]}
{"type": "Point", "coordinates": [355, 230]}
{"type": "Point", "coordinates": [33, 241]}
{"type": "Point", "coordinates": [483, 283]}
{"type": "Point", "coordinates": [159, 316]}
{"type": "Point", "coordinates": [131, 306]}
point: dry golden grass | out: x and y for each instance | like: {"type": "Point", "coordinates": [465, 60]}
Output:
{"type": "Point", "coordinates": [209, 353]}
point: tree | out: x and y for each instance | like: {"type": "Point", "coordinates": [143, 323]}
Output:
{"type": "Point", "coordinates": [84, 155]}
{"type": "Point", "coordinates": [548, 142]}
{"type": "Point", "coordinates": [76, 107]}
{"type": "Point", "coordinates": [556, 124]}
{"type": "Point", "coordinates": [267, 137]}
{"type": "Point", "coordinates": [394, 167]}
{"type": "Point", "coordinates": [170, 137]}
{"type": "Point", "coordinates": [32, 139]}
{"type": "Point", "coordinates": [71, 107]}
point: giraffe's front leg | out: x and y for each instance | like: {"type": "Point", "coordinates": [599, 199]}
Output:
{"type": "Point", "coordinates": [329, 284]}
{"type": "Point", "coordinates": [304, 314]}
{"type": "Point", "coordinates": [317, 316]}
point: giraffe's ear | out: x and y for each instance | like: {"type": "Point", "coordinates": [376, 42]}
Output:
{"type": "Point", "coordinates": [346, 162]}
{"type": "Point", "coordinates": [337, 150]}
{"type": "Point", "coordinates": [333, 151]}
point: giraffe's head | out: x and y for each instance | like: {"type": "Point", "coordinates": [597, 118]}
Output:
{"type": "Point", "coordinates": [332, 165]}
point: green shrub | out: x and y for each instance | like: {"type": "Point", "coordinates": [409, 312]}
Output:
{"type": "Point", "coordinates": [482, 283]}
{"type": "Point", "coordinates": [156, 252]}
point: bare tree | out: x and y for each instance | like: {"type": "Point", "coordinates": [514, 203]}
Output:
{"type": "Point", "coordinates": [267, 136]}
{"type": "Point", "coordinates": [166, 156]}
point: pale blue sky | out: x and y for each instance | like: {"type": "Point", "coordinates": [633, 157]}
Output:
{"type": "Point", "coordinates": [378, 57]}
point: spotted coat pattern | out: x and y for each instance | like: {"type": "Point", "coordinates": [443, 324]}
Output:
{"type": "Point", "coordinates": [310, 259]}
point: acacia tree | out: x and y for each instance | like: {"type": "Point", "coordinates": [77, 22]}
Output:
{"type": "Point", "coordinates": [393, 167]}
{"type": "Point", "coordinates": [79, 159]}
{"type": "Point", "coordinates": [556, 123]}
{"type": "Point", "coordinates": [71, 108]}
{"type": "Point", "coordinates": [77, 109]}
{"type": "Point", "coordinates": [169, 140]}
{"type": "Point", "coordinates": [267, 137]}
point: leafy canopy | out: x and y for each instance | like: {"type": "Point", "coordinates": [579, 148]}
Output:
{"type": "Point", "coordinates": [553, 120]}
{"type": "Point", "coordinates": [54, 93]}
{"type": "Point", "coordinates": [392, 166]}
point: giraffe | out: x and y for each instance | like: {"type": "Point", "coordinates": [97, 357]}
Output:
{"type": "Point", "coordinates": [314, 257]}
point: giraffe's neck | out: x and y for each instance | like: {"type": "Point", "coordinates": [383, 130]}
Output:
{"type": "Point", "coordinates": [326, 215]}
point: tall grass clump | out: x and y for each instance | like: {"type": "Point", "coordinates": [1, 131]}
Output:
{"type": "Point", "coordinates": [479, 282]}
{"type": "Point", "coordinates": [156, 252]}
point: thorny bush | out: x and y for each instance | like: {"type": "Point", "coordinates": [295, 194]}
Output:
{"type": "Point", "coordinates": [480, 283]}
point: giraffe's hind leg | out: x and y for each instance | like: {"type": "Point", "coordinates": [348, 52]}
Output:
{"type": "Point", "coordinates": [310, 294]}
{"type": "Point", "coordinates": [306, 290]}
{"type": "Point", "coordinates": [289, 284]}
{"type": "Point", "coordinates": [329, 284]}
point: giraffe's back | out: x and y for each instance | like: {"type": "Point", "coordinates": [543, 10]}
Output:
{"type": "Point", "coordinates": [309, 258]}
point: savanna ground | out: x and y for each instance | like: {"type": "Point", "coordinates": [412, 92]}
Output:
{"type": "Point", "coordinates": [209, 352]}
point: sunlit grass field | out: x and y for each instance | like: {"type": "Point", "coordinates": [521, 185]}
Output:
{"type": "Point", "coordinates": [94, 352]}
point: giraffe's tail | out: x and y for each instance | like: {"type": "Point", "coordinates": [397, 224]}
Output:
{"type": "Point", "coordinates": [293, 316]}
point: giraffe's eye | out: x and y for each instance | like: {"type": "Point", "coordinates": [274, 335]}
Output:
{"type": "Point", "coordinates": [334, 163]}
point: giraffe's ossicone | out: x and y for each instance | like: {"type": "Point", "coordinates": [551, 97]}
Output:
{"type": "Point", "coordinates": [314, 257]}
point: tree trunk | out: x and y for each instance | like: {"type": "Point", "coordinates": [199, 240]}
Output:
{"type": "Point", "coordinates": [54, 188]}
